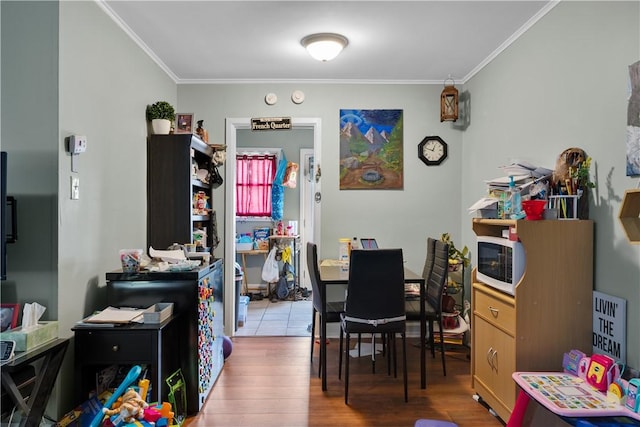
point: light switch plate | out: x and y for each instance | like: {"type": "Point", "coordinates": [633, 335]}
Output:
{"type": "Point", "coordinates": [75, 188]}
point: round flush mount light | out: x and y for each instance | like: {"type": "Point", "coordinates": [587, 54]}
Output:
{"type": "Point", "coordinates": [324, 46]}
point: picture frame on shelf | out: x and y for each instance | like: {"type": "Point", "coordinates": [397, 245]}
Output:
{"type": "Point", "coordinates": [184, 123]}
{"type": "Point", "coordinates": [9, 316]}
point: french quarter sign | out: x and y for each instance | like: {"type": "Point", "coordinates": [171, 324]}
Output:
{"type": "Point", "coordinates": [271, 123]}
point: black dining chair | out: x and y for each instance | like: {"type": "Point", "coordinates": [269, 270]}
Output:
{"type": "Point", "coordinates": [329, 311]}
{"type": "Point", "coordinates": [375, 304]}
{"type": "Point", "coordinates": [435, 274]}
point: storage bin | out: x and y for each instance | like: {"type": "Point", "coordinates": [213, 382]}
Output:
{"type": "Point", "coordinates": [242, 312]}
{"type": "Point", "coordinates": [244, 246]}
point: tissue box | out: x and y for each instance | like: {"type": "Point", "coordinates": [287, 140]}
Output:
{"type": "Point", "coordinates": [31, 336]}
{"type": "Point", "coordinates": [158, 313]}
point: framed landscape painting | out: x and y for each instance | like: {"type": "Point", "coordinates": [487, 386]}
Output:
{"type": "Point", "coordinates": [371, 148]}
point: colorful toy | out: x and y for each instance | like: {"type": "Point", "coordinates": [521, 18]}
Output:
{"type": "Point", "coordinates": [227, 347]}
{"type": "Point", "coordinates": [602, 371]}
{"type": "Point", "coordinates": [131, 409]}
{"type": "Point", "coordinates": [571, 362]}
{"type": "Point", "coordinates": [133, 374]}
{"type": "Point", "coordinates": [633, 402]}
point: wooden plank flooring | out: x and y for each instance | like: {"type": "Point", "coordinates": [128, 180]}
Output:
{"type": "Point", "coordinates": [269, 381]}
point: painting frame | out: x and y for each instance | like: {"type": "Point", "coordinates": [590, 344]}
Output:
{"type": "Point", "coordinates": [9, 316]}
{"type": "Point", "coordinates": [184, 123]}
{"type": "Point", "coordinates": [371, 149]}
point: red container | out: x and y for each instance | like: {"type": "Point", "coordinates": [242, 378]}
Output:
{"type": "Point", "coordinates": [534, 209]}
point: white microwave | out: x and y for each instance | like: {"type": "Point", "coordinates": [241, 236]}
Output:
{"type": "Point", "coordinates": [501, 262]}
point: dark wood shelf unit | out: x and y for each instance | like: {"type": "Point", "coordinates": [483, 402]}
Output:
{"type": "Point", "coordinates": [171, 186]}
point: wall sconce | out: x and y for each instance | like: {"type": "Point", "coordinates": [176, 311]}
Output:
{"type": "Point", "coordinates": [324, 46]}
{"type": "Point", "coordinates": [449, 102]}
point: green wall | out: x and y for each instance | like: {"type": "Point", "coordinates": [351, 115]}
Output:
{"type": "Point", "coordinates": [564, 84]}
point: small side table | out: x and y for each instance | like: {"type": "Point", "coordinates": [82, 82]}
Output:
{"type": "Point", "coordinates": [51, 354]}
{"type": "Point", "coordinates": [152, 345]}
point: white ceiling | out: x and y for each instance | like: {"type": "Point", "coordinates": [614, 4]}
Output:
{"type": "Point", "coordinates": [259, 41]}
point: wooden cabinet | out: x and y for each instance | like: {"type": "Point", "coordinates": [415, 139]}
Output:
{"type": "Point", "coordinates": [199, 306]}
{"type": "Point", "coordinates": [172, 186]}
{"type": "Point", "coordinates": [548, 315]}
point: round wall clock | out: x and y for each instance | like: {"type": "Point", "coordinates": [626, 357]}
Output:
{"type": "Point", "coordinates": [432, 150]}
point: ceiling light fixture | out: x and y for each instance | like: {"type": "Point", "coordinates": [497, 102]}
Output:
{"type": "Point", "coordinates": [324, 46]}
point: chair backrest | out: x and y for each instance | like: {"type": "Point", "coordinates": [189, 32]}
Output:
{"type": "Point", "coordinates": [428, 262]}
{"type": "Point", "coordinates": [314, 276]}
{"type": "Point", "coordinates": [376, 284]}
{"type": "Point", "coordinates": [438, 278]}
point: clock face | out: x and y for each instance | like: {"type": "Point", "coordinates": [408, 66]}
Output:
{"type": "Point", "coordinates": [432, 150]}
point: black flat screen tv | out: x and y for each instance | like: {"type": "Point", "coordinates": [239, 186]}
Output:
{"type": "Point", "coordinates": [3, 214]}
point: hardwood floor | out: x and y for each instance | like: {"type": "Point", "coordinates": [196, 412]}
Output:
{"type": "Point", "coordinates": [269, 381]}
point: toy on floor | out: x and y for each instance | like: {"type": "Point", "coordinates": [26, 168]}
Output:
{"type": "Point", "coordinates": [131, 409]}
{"type": "Point", "coordinates": [227, 346]}
{"type": "Point", "coordinates": [129, 379]}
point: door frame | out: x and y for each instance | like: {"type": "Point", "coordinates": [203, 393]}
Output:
{"type": "Point", "coordinates": [231, 128]}
{"type": "Point", "coordinates": [307, 193]}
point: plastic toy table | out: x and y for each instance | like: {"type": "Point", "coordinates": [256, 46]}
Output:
{"type": "Point", "coordinates": [567, 396]}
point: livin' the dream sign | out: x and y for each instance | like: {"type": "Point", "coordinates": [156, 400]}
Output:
{"type": "Point", "coordinates": [610, 326]}
{"type": "Point", "coordinates": [271, 123]}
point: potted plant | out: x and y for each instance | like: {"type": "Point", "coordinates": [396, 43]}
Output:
{"type": "Point", "coordinates": [161, 114]}
{"type": "Point", "coordinates": [456, 256]}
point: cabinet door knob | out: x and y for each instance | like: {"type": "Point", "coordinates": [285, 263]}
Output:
{"type": "Point", "coordinates": [115, 348]}
{"type": "Point", "coordinates": [494, 311]}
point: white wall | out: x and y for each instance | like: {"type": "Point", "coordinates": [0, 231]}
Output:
{"type": "Point", "coordinates": [564, 84]}
{"type": "Point", "coordinates": [105, 84]}
{"type": "Point", "coordinates": [429, 205]}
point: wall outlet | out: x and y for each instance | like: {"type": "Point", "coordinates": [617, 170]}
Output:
{"type": "Point", "coordinates": [75, 188]}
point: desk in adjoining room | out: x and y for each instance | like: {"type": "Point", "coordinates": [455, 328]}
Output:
{"type": "Point", "coordinates": [243, 256]}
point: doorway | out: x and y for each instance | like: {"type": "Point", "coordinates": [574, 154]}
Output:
{"type": "Point", "coordinates": [233, 125]}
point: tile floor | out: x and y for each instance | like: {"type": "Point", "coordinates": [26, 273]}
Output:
{"type": "Point", "coordinates": [281, 318]}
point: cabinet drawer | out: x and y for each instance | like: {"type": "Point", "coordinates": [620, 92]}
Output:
{"type": "Point", "coordinates": [494, 310]}
{"type": "Point", "coordinates": [107, 347]}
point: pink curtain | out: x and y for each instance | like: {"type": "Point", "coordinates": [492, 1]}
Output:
{"type": "Point", "coordinates": [254, 179]}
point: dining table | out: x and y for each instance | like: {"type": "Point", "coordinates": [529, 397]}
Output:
{"type": "Point", "coordinates": [336, 272]}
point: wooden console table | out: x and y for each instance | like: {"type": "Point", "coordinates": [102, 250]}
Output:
{"type": "Point", "coordinates": [51, 355]}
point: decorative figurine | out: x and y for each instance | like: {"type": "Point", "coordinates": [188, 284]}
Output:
{"type": "Point", "coordinates": [202, 132]}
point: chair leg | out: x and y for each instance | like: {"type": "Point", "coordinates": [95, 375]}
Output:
{"type": "Point", "coordinates": [340, 355]}
{"type": "Point", "coordinates": [395, 356]}
{"type": "Point", "coordinates": [444, 369]}
{"type": "Point", "coordinates": [431, 339]}
{"type": "Point", "coordinates": [373, 353]}
{"type": "Point", "coordinates": [404, 365]}
{"type": "Point", "coordinates": [389, 357]}
{"type": "Point", "coordinates": [346, 374]}
{"type": "Point", "coordinates": [313, 328]}
{"type": "Point", "coordinates": [359, 344]}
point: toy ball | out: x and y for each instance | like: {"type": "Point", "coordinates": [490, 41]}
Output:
{"type": "Point", "coordinates": [227, 346]}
